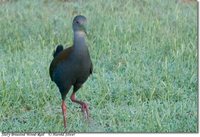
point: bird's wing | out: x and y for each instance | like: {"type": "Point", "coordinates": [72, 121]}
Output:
{"type": "Point", "coordinates": [91, 68]}
{"type": "Point", "coordinates": [63, 55]}
{"type": "Point", "coordinates": [91, 65]}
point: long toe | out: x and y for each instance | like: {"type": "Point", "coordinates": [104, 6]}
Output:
{"type": "Point", "coordinates": [85, 111]}
{"type": "Point", "coordinates": [85, 115]}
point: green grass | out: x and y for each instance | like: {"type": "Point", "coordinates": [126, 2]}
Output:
{"type": "Point", "coordinates": [144, 54]}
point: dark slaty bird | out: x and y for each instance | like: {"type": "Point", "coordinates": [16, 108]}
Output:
{"type": "Point", "coordinates": [72, 66]}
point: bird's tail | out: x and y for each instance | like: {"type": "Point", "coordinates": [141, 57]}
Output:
{"type": "Point", "coordinates": [59, 48]}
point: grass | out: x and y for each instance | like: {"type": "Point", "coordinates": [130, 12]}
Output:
{"type": "Point", "coordinates": [145, 66]}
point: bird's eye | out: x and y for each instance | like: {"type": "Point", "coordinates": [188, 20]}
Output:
{"type": "Point", "coordinates": [77, 22]}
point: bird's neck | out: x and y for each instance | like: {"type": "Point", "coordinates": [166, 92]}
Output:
{"type": "Point", "coordinates": [79, 40]}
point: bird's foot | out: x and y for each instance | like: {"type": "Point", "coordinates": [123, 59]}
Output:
{"type": "Point", "coordinates": [84, 108]}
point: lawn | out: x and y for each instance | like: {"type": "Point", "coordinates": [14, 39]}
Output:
{"type": "Point", "coordinates": [144, 54]}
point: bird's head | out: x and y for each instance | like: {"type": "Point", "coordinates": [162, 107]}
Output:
{"type": "Point", "coordinates": [79, 23]}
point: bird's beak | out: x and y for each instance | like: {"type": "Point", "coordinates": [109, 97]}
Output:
{"type": "Point", "coordinates": [85, 29]}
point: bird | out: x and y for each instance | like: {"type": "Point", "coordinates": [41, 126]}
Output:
{"type": "Point", "coordinates": [72, 66]}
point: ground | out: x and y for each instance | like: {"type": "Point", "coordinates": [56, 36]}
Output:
{"type": "Point", "coordinates": [144, 54]}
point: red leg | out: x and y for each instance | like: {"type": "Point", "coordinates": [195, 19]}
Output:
{"type": "Point", "coordinates": [64, 108]}
{"type": "Point", "coordinates": [84, 106]}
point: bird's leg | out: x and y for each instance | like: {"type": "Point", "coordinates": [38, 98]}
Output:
{"type": "Point", "coordinates": [84, 106]}
{"type": "Point", "coordinates": [64, 108]}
